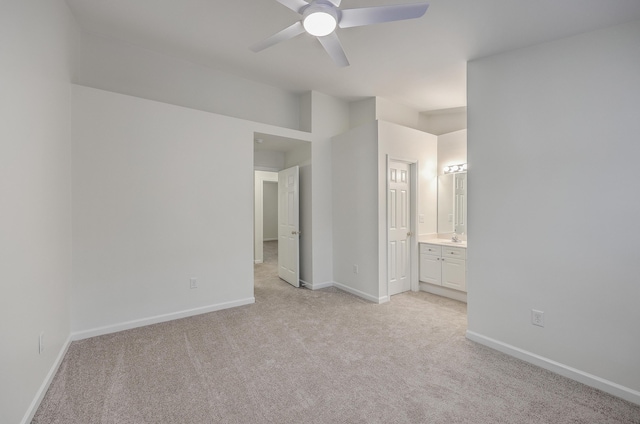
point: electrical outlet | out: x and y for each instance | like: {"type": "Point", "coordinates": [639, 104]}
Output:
{"type": "Point", "coordinates": [355, 269]}
{"type": "Point", "coordinates": [537, 318]}
{"type": "Point", "coordinates": [41, 343]}
{"type": "Point", "coordinates": [193, 283]}
{"type": "Point", "coordinates": [421, 218]}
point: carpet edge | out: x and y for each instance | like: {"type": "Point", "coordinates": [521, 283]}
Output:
{"type": "Point", "coordinates": [583, 377]}
{"type": "Point", "coordinates": [127, 325]}
{"type": "Point", "coordinates": [35, 403]}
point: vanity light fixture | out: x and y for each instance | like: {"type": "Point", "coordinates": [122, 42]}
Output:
{"type": "Point", "coordinates": [455, 168]}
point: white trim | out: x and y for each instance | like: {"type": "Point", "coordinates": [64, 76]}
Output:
{"type": "Point", "coordinates": [265, 168]}
{"type": "Point", "coordinates": [317, 286]}
{"type": "Point", "coordinates": [443, 291]}
{"type": "Point", "coordinates": [558, 368]}
{"type": "Point", "coordinates": [35, 403]}
{"type": "Point", "coordinates": [108, 329]}
{"type": "Point", "coordinates": [257, 261]}
{"type": "Point", "coordinates": [361, 294]}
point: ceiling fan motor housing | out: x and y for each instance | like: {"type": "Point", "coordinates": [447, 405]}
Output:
{"type": "Point", "coordinates": [320, 18]}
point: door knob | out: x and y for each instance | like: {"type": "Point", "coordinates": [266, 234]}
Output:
{"type": "Point", "coordinates": [296, 232]}
{"type": "Point", "coordinates": [409, 234]}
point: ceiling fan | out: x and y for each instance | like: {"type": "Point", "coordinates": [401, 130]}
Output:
{"type": "Point", "coordinates": [320, 18]}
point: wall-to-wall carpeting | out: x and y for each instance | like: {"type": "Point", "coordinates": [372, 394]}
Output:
{"type": "Point", "coordinates": [302, 356]}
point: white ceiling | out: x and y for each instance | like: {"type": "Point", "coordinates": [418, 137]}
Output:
{"type": "Point", "coordinates": [420, 63]}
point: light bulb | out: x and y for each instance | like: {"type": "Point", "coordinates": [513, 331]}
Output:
{"type": "Point", "coordinates": [319, 23]}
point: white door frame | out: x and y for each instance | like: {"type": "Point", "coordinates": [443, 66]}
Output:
{"type": "Point", "coordinates": [414, 166]}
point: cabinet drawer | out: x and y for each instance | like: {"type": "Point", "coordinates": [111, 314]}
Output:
{"type": "Point", "coordinates": [430, 249]}
{"type": "Point", "coordinates": [454, 252]}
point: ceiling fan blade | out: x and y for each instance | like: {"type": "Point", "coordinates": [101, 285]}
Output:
{"type": "Point", "coordinates": [378, 14]}
{"type": "Point", "coordinates": [295, 5]}
{"type": "Point", "coordinates": [332, 45]}
{"type": "Point", "coordinates": [336, 3]}
{"type": "Point", "coordinates": [285, 34]}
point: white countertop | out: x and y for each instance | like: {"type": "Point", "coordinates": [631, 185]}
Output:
{"type": "Point", "coordinates": [443, 242]}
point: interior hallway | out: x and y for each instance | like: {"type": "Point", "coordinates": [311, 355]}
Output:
{"type": "Point", "coordinates": [269, 266]}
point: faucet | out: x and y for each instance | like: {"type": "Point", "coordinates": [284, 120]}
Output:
{"type": "Point", "coordinates": [454, 238]}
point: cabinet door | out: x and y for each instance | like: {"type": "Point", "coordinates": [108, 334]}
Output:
{"type": "Point", "coordinates": [454, 273]}
{"type": "Point", "coordinates": [430, 270]}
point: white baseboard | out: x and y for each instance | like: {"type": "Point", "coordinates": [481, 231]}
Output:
{"type": "Point", "coordinates": [444, 291]}
{"type": "Point", "coordinates": [317, 286]}
{"type": "Point", "coordinates": [28, 416]}
{"type": "Point", "coordinates": [108, 329]}
{"type": "Point", "coordinates": [558, 368]}
{"type": "Point", "coordinates": [361, 294]}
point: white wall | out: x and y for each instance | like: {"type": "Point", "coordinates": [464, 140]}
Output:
{"type": "Point", "coordinates": [116, 66]}
{"type": "Point", "coordinates": [355, 210]}
{"type": "Point", "coordinates": [396, 113]}
{"type": "Point", "coordinates": [329, 117]}
{"type": "Point", "coordinates": [268, 160]}
{"type": "Point", "coordinates": [37, 50]}
{"type": "Point", "coordinates": [161, 193]}
{"type": "Point", "coordinates": [399, 142]}
{"type": "Point", "coordinates": [553, 205]}
{"type": "Point", "coordinates": [270, 211]}
{"type": "Point", "coordinates": [452, 149]}
{"type": "Point", "coordinates": [443, 121]}
{"type": "Point", "coordinates": [260, 177]}
{"type": "Point", "coordinates": [359, 201]}
{"type": "Point", "coordinates": [362, 112]}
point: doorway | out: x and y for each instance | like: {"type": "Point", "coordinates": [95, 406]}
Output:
{"type": "Point", "coordinates": [401, 226]}
{"type": "Point", "coordinates": [269, 262]}
{"type": "Point", "coordinates": [273, 155]}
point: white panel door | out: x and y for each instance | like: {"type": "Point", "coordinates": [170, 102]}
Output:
{"type": "Point", "coordinates": [289, 226]}
{"type": "Point", "coordinates": [399, 227]}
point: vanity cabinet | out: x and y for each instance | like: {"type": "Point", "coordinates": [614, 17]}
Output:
{"type": "Point", "coordinates": [443, 265]}
{"type": "Point", "coordinates": [430, 263]}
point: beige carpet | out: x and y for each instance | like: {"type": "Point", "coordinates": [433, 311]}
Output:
{"type": "Point", "coordinates": [302, 356]}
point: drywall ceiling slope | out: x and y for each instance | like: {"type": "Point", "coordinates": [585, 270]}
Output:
{"type": "Point", "coordinates": [420, 63]}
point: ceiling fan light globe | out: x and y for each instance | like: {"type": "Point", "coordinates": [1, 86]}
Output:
{"type": "Point", "coordinates": [319, 23]}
